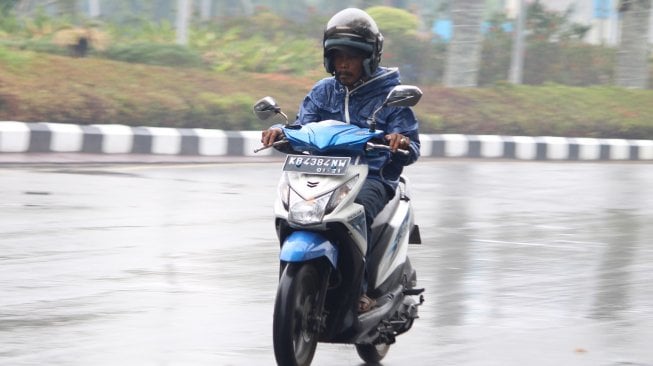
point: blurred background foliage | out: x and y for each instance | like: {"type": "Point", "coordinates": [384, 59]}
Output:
{"type": "Point", "coordinates": [574, 94]}
{"type": "Point", "coordinates": [266, 41]}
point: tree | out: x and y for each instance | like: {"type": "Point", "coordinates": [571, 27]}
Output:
{"type": "Point", "coordinates": [632, 57]}
{"type": "Point", "coordinates": [517, 51]}
{"type": "Point", "coordinates": [183, 20]}
{"type": "Point", "coordinates": [463, 53]}
{"type": "Point", "coordinates": [6, 6]}
{"type": "Point", "coordinates": [401, 46]}
{"type": "Point", "coordinates": [94, 9]}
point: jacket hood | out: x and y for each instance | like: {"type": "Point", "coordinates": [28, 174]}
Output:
{"type": "Point", "coordinates": [329, 99]}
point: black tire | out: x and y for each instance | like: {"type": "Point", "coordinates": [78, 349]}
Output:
{"type": "Point", "coordinates": [372, 353]}
{"type": "Point", "coordinates": [297, 311]}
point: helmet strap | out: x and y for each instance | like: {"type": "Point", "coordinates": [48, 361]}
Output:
{"type": "Point", "coordinates": [367, 67]}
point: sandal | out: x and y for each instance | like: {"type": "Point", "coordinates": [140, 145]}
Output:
{"type": "Point", "coordinates": [365, 304]}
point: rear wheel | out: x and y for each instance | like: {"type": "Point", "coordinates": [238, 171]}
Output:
{"type": "Point", "coordinates": [297, 314]}
{"type": "Point", "coordinates": [372, 353]}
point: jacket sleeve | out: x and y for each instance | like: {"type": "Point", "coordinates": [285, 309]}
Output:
{"type": "Point", "coordinates": [402, 120]}
{"type": "Point", "coordinates": [308, 111]}
{"type": "Point", "coordinates": [311, 109]}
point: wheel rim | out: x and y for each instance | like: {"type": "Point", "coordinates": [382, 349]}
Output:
{"type": "Point", "coordinates": [301, 334]}
{"type": "Point", "coordinates": [305, 323]}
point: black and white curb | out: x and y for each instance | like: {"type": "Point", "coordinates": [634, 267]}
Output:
{"type": "Point", "coordinates": [44, 137]}
{"type": "Point", "coordinates": [535, 148]}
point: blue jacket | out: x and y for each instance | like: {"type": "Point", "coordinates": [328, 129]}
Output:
{"type": "Point", "coordinates": [329, 99]}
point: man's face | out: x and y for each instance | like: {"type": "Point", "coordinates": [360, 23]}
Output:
{"type": "Point", "coordinates": [349, 67]}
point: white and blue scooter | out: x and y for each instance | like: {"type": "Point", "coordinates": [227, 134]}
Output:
{"type": "Point", "coordinates": [323, 240]}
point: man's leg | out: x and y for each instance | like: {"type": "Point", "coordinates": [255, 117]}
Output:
{"type": "Point", "coordinates": [373, 196]}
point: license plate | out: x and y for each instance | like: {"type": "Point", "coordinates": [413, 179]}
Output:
{"type": "Point", "coordinates": [319, 165]}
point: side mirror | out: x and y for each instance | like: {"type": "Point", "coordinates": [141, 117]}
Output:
{"type": "Point", "coordinates": [399, 96]}
{"type": "Point", "coordinates": [266, 107]}
{"type": "Point", "coordinates": [403, 96]}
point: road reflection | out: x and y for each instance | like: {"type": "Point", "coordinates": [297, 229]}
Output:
{"type": "Point", "coordinates": [524, 264]}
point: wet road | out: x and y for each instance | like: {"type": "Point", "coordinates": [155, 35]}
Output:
{"type": "Point", "coordinates": [524, 263]}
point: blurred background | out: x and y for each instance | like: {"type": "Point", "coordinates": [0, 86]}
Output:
{"type": "Point", "coordinates": [577, 68]}
{"type": "Point", "coordinates": [525, 263]}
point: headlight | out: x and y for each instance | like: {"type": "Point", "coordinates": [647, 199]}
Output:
{"type": "Point", "coordinates": [309, 211]}
{"type": "Point", "coordinates": [312, 211]}
{"type": "Point", "coordinates": [340, 193]}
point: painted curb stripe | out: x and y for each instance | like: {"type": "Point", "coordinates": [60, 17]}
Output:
{"type": "Point", "coordinates": [190, 142]}
{"type": "Point", "coordinates": [92, 140]}
{"type": "Point", "coordinates": [40, 138]}
{"type": "Point", "coordinates": [43, 137]}
{"type": "Point", "coordinates": [142, 141]}
{"type": "Point", "coordinates": [235, 143]}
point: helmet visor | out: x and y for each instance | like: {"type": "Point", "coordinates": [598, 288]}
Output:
{"type": "Point", "coordinates": [349, 46]}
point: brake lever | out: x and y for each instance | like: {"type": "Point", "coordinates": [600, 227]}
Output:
{"type": "Point", "coordinates": [371, 146]}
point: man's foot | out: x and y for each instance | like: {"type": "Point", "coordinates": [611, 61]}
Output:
{"type": "Point", "coordinates": [365, 304]}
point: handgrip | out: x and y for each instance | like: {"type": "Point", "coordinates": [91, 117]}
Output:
{"type": "Point", "coordinates": [371, 145]}
{"type": "Point", "coordinates": [274, 144]}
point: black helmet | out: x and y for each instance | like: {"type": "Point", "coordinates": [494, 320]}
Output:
{"type": "Point", "coordinates": [353, 29]}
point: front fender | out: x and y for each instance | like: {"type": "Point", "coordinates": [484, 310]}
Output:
{"type": "Point", "coordinates": [301, 246]}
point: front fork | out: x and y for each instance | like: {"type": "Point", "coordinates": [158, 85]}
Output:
{"type": "Point", "coordinates": [320, 319]}
{"type": "Point", "coordinates": [308, 246]}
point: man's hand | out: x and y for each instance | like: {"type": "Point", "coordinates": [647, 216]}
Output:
{"type": "Point", "coordinates": [269, 136]}
{"type": "Point", "coordinates": [397, 141]}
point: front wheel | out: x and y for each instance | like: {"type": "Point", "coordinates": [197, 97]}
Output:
{"type": "Point", "coordinates": [297, 314]}
{"type": "Point", "coordinates": [372, 353]}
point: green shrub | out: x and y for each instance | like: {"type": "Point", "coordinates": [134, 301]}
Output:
{"type": "Point", "coordinates": [393, 20]}
{"type": "Point", "coordinates": [155, 54]}
{"type": "Point", "coordinates": [419, 58]}
{"type": "Point", "coordinates": [40, 45]}
{"type": "Point", "coordinates": [229, 112]}
{"type": "Point", "coordinates": [257, 54]}
{"type": "Point", "coordinates": [142, 31]}
{"type": "Point", "coordinates": [8, 22]}
{"type": "Point", "coordinates": [263, 43]}
{"type": "Point", "coordinates": [14, 60]}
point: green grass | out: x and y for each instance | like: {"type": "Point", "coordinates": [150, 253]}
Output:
{"type": "Point", "coordinates": [44, 87]}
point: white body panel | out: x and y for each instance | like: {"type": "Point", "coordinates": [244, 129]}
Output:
{"type": "Point", "coordinates": [310, 186]}
{"type": "Point", "coordinates": [396, 253]}
{"type": "Point", "coordinates": [345, 211]}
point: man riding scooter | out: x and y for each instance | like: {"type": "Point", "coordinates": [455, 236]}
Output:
{"type": "Point", "coordinates": [353, 46]}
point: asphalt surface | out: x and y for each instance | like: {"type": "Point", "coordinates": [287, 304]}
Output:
{"type": "Point", "coordinates": [524, 263]}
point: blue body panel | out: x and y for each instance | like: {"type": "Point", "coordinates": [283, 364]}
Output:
{"type": "Point", "coordinates": [330, 135]}
{"type": "Point", "coordinates": [302, 246]}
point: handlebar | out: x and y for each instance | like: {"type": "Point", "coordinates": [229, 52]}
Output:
{"type": "Point", "coordinates": [369, 146]}
{"type": "Point", "coordinates": [372, 146]}
{"type": "Point", "coordinates": [274, 144]}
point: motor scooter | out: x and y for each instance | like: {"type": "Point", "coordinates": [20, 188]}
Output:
{"type": "Point", "coordinates": [324, 238]}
